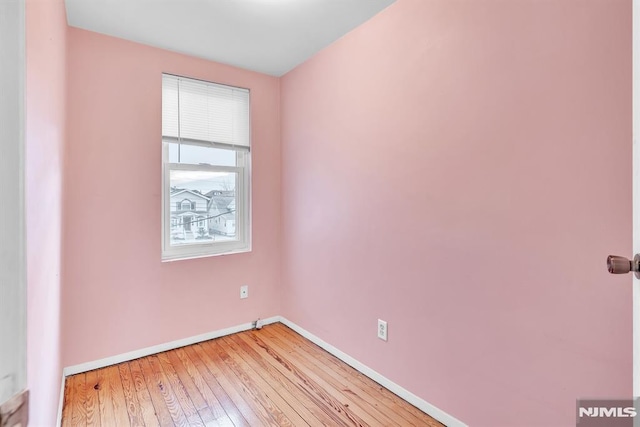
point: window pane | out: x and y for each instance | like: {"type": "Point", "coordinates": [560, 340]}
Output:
{"type": "Point", "coordinates": [195, 155]}
{"type": "Point", "coordinates": [202, 207]}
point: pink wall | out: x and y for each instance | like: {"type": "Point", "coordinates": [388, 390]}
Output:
{"type": "Point", "coordinates": [46, 32]}
{"type": "Point", "coordinates": [461, 169]}
{"type": "Point", "coordinates": [117, 295]}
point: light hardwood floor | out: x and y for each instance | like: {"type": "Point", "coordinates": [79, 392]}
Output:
{"type": "Point", "coordinates": [269, 377]}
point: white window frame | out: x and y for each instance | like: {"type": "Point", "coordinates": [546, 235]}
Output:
{"type": "Point", "coordinates": [206, 248]}
{"type": "Point", "coordinates": [242, 243]}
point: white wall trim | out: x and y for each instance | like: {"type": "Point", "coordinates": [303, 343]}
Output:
{"type": "Point", "coordinates": [405, 394]}
{"type": "Point", "coordinates": [136, 354]}
{"type": "Point", "coordinates": [22, 223]}
{"type": "Point", "coordinates": [421, 404]}
{"type": "Point", "coordinates": [13, 278]}
{"type": "Point", "coordinates": [61, 401]}
{"type": "Point", "coordinates": [636, 191]}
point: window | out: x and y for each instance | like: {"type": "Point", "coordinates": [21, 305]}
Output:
{"type": "Point", "coordinates": [206, 169]}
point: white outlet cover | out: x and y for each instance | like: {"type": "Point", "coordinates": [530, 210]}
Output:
{"type": "Point", "coordinates": [382, 330]}
{"type": "Point", "coordinates": [244, 291]}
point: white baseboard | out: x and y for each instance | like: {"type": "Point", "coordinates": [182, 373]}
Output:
{"type": "Point", "coordinates": [136, 354]}
{"type": "Point", "coordinates": [405, 394]}
{"type": "Point", "coordinates": [421, 404]}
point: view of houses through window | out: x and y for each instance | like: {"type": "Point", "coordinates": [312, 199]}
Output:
{"type": "Point", "coordinates": [203, 206]}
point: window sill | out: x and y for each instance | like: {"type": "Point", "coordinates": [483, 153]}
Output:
{"type": "Point", "coordinates": [181, 257]}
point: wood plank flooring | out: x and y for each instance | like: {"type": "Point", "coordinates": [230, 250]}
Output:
{"type": "Point", "coordinates": [269, 377]}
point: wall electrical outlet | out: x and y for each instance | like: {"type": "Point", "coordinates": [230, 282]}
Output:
{"type": "Point", "coordinates": [244, 291]}
{"type": "Point", "coordinates": [382, 329]}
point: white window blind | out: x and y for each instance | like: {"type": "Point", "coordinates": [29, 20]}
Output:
{"type": "Point", "coordinates": [193, 110]}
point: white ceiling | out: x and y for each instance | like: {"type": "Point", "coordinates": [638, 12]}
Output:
{"type": "Point", "coordinates": [268, 36]}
